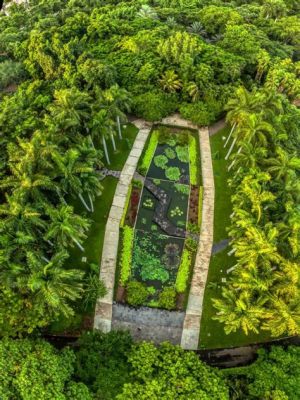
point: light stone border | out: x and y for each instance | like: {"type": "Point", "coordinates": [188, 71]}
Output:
{"type": "Point", "coordinates": [192, 320]}
{"type": "Point", "coordinates": [103, 309]}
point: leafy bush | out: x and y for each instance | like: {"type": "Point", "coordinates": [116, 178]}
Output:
{"type": "Point", "coordinates": [155, 272]}
{"type": "Point", "coordinates": [170, 153]}
{"type": "Point", "coordinates": [184, 189]}
{"type": "Point", "coordinates": [182, 153]}
{"type": "Point", "coordinates": [161, 161]}
{"type": "Point", "coordinates": [198, 113]}
{"type": "Point", "coordinates": [183, 272]}
{"type": "Point", "coordinates": [101, 362]}
{"type": "Point", "coordinates": [191, 244]}
{"type": "Point", "coordinates": [149, 153]}
{"type": "Point", "coordinates": [153, 106]}
{"type": "Point", "coordinates": [137, 293]}
{"type": "Point", "coordinates": [167, 298]}
{"type": "Point", "coordinates": [173, 173]}
{"type": "Point", "coordinates": [126, 258]}
{"type": "Point", "coordinates": [11, 73]}
{"type": "Point", "coordinates": [194, 162]}
{"type": "Point", "coordinates": [35, 370]}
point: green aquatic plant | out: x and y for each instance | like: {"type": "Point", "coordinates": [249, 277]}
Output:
{"type": "Point", "coordinates": [182, 153]}
{"type": "Point", "coordinates": [173, 173]}
{"type": "Point", "coordinates": [161, 161]}
{"type": "Point", "coordinates": [184, 189]}
{"type": "Point", "coordinates": [176, 212]}
{"type": "Point", "coordinates": [170, 153]}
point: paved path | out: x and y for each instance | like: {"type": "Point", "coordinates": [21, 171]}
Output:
{"type": "Point", "coordinates": [216, 127]}
{"type": "Point", "coordinates": [191, 327]}
{"type": "Point", "coordinates": [103, 310]}
{"type": "Point", "coordinates": [220, 246]}
{"type": "Point", "coordinates": [150, 324]}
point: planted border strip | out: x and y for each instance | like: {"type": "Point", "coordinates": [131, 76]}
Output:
{"type": "Point", "coordinates": [126, 259]}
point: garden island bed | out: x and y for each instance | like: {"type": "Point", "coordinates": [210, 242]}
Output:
{"type": "Point", "coordinates": [160, 225]}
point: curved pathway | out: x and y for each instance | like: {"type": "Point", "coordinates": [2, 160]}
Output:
{"type": "Point", "coordinates": [192, 320]}
{"type": "Point", "coordinates": [103, 309]}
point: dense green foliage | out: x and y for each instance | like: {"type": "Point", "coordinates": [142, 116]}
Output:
{"type": "Point", "coordinates": [128, 238]}
{"type": "Point", "coordinates": [110, 366]}
{"type": "Point", "coordinates": [35, 370]}
{"type": "Point", "coordinates": [263, 289]}
{"type": "Point", "coordinates": [183, 272]}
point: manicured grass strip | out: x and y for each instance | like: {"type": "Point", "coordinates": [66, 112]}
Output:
{"type": "Point", "coordinates": [119, 157]}
{"type": "Point", "coordinates": [200, 206]}
{"type": "Point", "coordinates": [223, 207]}
{"type": "Point", "coordinates": [126, 258]}
{"type": "Point", "coordinates": [94, 242]}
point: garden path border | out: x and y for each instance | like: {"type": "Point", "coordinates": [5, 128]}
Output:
{"type": "Point", "coordinates": [192, 320]}
{"type": "Point", "coordinates": [103, 309]}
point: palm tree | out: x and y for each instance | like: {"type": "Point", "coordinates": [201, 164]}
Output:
{"type": "Point", "coordinates": [239, 107]}
{"type": "Point", "coordinates": [102, 127]}
{"type": "Point", "coordinates": [283, 317]}
{"type": "Point", "coordinates": [193, 91]}
{"type": "Point", "coordinates": [248, 156]}
{"type": "Point", "coordinates": [147, 12]}
{"type": "Point", "coordinates": [170, 82]}
{"type": "Point", "coordinates": [66, 227]}
{"type": "Point", "coordinates": [238, 310]}
{"type": "Point", "coordinates": [284, 165]}
{"type": "Point", "coordinates": [117, 102]}
{"type": "Point", "coordinates": [197, 28]}
{"type": "Point", "coordinates": [53, 285]}
{"type": "Point", "coordinates": [70, 110]}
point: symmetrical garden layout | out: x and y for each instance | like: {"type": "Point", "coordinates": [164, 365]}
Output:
{"type": "Point", "coordinates": [160, 228]}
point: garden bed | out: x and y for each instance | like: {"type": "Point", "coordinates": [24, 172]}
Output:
{"type": "Point", "coordinates": [160, 231]}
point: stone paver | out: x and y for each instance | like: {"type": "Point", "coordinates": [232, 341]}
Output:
{"type": "Point", "coordinates": [103, 309]}
{"type": "Point", "coordinates": [150, 324]}
{"type": "Point", "coordinates": [191, 328]}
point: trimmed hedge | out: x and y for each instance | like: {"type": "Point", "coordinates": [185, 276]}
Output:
{"type": "Point", "coordinates": [128, 237]}
{"type": "Point", "coordinates": [193, 160]}
{"type": "Point", "coordinates": [149, 153]}
{"type": "Point", "coordinates": [183, 272]}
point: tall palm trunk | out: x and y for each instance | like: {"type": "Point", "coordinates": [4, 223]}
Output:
{"type": "Point", "coordinates": [84, 202]}
{"type": "Point", "coordinates": [113, 142]}
{"type": "Point", "coordinates": [234, 161]}
{"type": "Point", "coordinates": [105, 150]}
{"type": "Point", "coordinates": [91, 201]}
{"type": "Point", "coordinates": [119, 127]}
{"type": "Point", "coordinates": [77, 243]}
{"type": "Point", "coordinates": [231, 148]}
{"type": "Point", "coordinates": [230, 134]}
{"type": "Point", "coordinates": [232, 251]}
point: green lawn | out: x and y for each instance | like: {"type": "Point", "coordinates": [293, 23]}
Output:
{"type": "Point", "coordinates": [119, 157]}
{"type": "Point", "coordinates": [212, 334]}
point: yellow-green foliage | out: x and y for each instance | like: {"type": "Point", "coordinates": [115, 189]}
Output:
{"type": "Point", "coordinates": [200, 205]}
{"type": "Point", "coordinates": [128, 237]}
{"type": "Point", "coordinates": [149, 153]}
{"type": "Point", "coordinates": [183, 272]}
{"type": "Point", "coordinates": [193, 160]}
{"type": "Point", "coordinates": [126, 206]}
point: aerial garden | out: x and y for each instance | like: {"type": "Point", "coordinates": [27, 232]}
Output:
{"type": "Point", "coordinates": [73, 74]}
{"type": "Point", "coordinates": [160, 227]}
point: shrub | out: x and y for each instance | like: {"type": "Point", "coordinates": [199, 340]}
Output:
{"type": "Point", "coordinates": [183, 272]}
{"type": "Point", "coordinates": [167, 298]}
{"type": "Point", "coordinates": [11, 73]}
{"type": "Point", "coordinates": [128, 237]}
{"type": "Point", "coordinates": [161, 161]}
{"type": "Point", "coordinates": [137, 293]}
{"type": "Point", "coordinates": [173, 173]}
{"type": "Point", "coordinates": [153, 271]}
{"type": "Point", "coordinates": [170, 153]}
{"type": "Point", "coordinates": [191, 244]}
{"type": "Point", "coordinates": [198, 113]}
{"type": "Point", "coordinates": [193, 156]}
{"type": "Point", "coordinates": [182, 153]}
{"type": "Point", "coordinates": [184, 189]}
{"type": "Point", "coordinates": [153, 106]}
{"type": "Point", "coordinates": [149, 153]}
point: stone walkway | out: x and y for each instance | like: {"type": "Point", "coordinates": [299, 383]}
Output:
{"type": "Point", "coordinates": [103, 310]}
{"type": "Point", "coordinates": [150, 324]}
{"type": "Point", "coordinates": [216, 127]}
{"type": "Point", "coordinates": [220, 246]}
